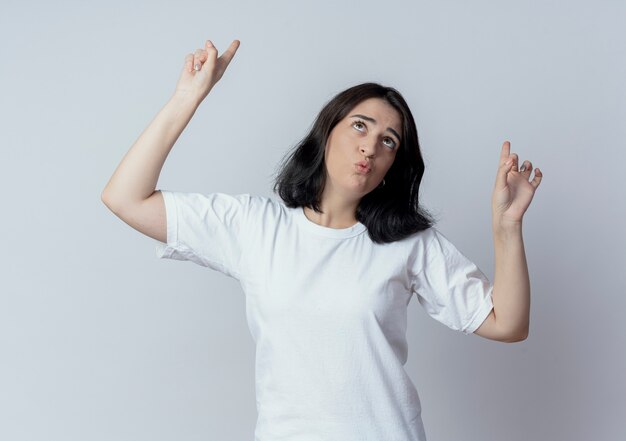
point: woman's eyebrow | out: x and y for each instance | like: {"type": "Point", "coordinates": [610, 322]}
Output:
{"type": "Point", "coordinates": [369, 118]}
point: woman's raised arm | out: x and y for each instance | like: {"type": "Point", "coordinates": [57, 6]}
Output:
{"type": "Point", "coordinates": [135, 178]}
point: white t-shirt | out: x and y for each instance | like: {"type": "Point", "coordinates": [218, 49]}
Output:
{"type": "Point", "coordinates": [327, 310]}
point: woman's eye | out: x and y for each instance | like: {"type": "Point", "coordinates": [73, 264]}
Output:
{"type": "Point", "coordinates": [358, 123]}
{"type": "Point", "coordinates": [392, 143]}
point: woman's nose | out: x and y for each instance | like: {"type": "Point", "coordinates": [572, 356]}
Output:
{"type": "Point", "coordinates": [367, 150]}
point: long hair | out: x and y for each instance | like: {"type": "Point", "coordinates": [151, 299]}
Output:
{"type": "Point", "coordinates": [391, 212]}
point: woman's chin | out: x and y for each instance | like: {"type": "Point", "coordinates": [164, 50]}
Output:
{"type": "Point", "coordinates": [359, 189]}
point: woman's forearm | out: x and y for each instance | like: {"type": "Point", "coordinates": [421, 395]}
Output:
{"type": "Point", "coordinates": [135, 178]}
{"type": "Point", "coordinates": [511, 292]}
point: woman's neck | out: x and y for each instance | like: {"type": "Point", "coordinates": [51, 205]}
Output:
{"type": "Point", "coordinates": [335, 215]}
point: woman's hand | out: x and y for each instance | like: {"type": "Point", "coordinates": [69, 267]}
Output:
{"type": "Point", "coordinates": [203, 69]}
{"type": "Point", "coordinates": [513, 192]}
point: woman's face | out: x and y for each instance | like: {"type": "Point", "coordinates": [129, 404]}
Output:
{"type": "Point", "coordinates": [370, 132]}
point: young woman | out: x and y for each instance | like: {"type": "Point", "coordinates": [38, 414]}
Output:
{"type": "Point", "coordinates": [329, 269]}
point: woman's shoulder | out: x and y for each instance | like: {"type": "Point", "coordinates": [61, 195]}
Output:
{"type": "Point", "coordinates": [419, 238]}
{"type": "Point", "coordinates": [263, 206]}
{"type": "Point", "coordinates": [259, 200]}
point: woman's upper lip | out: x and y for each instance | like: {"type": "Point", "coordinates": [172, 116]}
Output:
{"type": "Point", "coordinates": [364, 164]}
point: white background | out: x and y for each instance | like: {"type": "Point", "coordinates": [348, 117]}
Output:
{"type": "Point", "coordinates": [100, 340]}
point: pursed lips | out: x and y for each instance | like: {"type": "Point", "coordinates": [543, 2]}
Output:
{"type": "Point", "coordinates": [363, 166]}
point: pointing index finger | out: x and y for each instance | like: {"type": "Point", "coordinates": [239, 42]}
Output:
{"type": "Point", "coordinates": [230, 52]}
{"type": "Point", "coordinates": [506, 151]}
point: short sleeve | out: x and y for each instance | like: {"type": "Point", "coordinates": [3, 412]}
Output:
{"type": "Point", "coordinates": [451, 288]}
{"type": "Point", "coordinates": [206, 229]}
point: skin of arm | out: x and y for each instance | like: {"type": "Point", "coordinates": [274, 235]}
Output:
{"type": "Point", "coordinates": [136, 176]}
{"type": "Point", "coordinates": [511, 287]}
